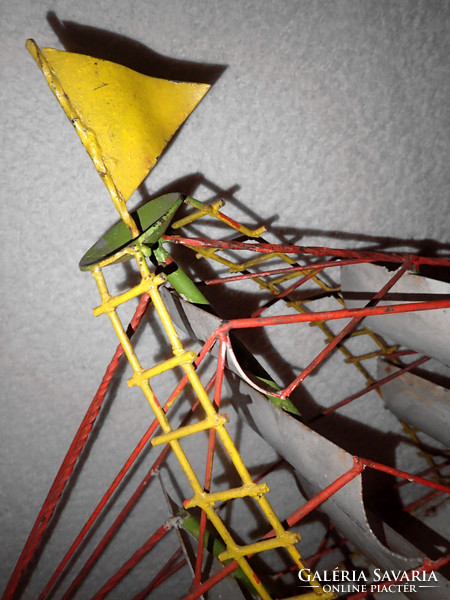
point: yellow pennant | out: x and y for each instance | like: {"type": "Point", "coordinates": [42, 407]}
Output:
{"type": "Point", "coordinates": [124, 119]}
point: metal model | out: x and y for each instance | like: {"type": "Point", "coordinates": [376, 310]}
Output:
{"type": "Point", "coordinates": [150, 111]}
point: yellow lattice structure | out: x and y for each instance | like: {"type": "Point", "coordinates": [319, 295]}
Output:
{"type": "Point", "coordinates": [273, 286]}
{"type": "Point", "coordinates": [124, 120]}
{"type": "Point", "coordinates": [184, 359]}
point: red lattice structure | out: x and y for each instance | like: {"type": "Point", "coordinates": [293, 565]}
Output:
{"type": "Point", "coordinates": [280, 271]}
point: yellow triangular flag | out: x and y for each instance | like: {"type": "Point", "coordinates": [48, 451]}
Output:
{"type": "Point", "coordinates": [124, 118]}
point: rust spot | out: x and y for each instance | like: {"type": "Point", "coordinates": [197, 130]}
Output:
{"type": "Point", "coordinates": [102, 173]}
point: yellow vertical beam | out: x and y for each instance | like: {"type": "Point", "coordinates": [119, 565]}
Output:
{"type": "Point", "coordinates": [206, 501]}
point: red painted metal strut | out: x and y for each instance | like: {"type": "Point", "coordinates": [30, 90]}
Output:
{"type": "Point", "coordinates": [331, 315]}
{"type": "Point", "coordinates": [426, 567]}
{"type": "Point", "coordinates": [209, 461]}
{"type": "Point", "coordinates": [212, 581]}
{"type": "Point", "coordinates": [67, 466]}
{"type": "Point", "coordinates": [344, 333]}
{"type": "Point", "coordinates": [294, 269]}
{"type": "Point", "coordinates": [131, 502]}
{"type": "Point", "coordinates": [167, 571]}
{"type": "Point", "coordinates": [264, 248]}
{"type": "Point", "coordinates": [405, 475]}
{"type": "Point", "coordinates": [374, 386]}
{"type": "Point", "coordinates": [133, 561]}
{"type": "Point", "coordinates": [313, 503]}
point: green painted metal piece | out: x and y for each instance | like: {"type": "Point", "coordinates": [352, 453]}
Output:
{"type": "Point", "coordinates": [251, 365]}
{"type": "Point", "coordinates": [152, 218]}
{"type": "Point", "coordinates": [188, 290]}
{"type": "Point", "coordinates": [283, 403]}
{"type": "Point", "coordinates": [178, 278]}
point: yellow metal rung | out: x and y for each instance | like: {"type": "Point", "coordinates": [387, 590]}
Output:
{"type": "Point", "coordinates": [212, 421]}
{"type": "Point", "coordinates": [252, 262]}
{"type": "Point", "coordinates": [208, 499]}
{"type": "Point", "coordinates": [209, 253]}
{"type": "Point", "coordinates": [182, 359]}
{"type": "Point", "coordinates": [208, 209]}
{"type": "Point", "coordinates": [213, 212]}
{"type": "Point", "coordinates": [289, 538]}
{"type": "Point", "coordinates": [366, 356]}
{"type": "Point", "coordinates": [114, 301]}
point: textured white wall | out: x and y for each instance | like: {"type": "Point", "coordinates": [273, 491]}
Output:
{"type": "Point", "coordinates": [331, 120]}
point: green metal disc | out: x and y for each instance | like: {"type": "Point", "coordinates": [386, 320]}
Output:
{"type": "Point", "coordinates": [152, 218]}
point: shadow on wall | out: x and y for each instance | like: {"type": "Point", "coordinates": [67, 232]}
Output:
{"type": "Point", "coordinates": [124, 51]}
{"type": "Point", "coordinates": [135, 55]}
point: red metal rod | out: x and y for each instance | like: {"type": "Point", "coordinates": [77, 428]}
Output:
{"type": "Point", "coordinates": [404, 475]}
{"type": "Point", "coordinates": [280, 271]}
{"type": "Point", "coordinates": [342, 334]}
{"type": "Point", "coordinates": [129, 505]}
{"type": "Point", "coordinates": [331, 315]}
{"type": "Point", "coordinates": [210, 460]}
{"type": "Point", "coordinates": [413, 505]}
{"type": "Point", "coordinates": [66, 469]}
{"type": "Point", "coordinates": [131, 502]}
{"type": "Point", "coordinates": [98, 509]}
{"type": "Point", "coordinates": [324, 494]}
{"type": "Point", "coordinates": [422, 473]}
{"type": "Point", "coordinates": [167, 571]}
{"type": "Point", "coordinates": [434, 565]}
{"type": "Point", "coordinates": [199, 558]}
{"type": "Point", "coordinates": [166, 575]}
{"type": "Point", "coordinates": [115, 526]}
{"type": "Point", "coordinates": [212, 581]}
{"type": "Point", "coordinates": [314, 250]}
{"type": "Point", "coordinates": [401, 353]}
{"type": "Point", "coordinates": [321, 496]}
{"type": "Point", "coordinates": [374, 386]}
{"type": "Point", "coordinates": [133, 561]}
{"type": "Point", "coordinates": [427, 566]}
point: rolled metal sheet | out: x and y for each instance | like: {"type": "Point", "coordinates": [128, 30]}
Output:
{"type": "Point", "coordinates": [317, 461]}
{"type": "Point", "coordinates": [425, 331]}
{"type": "Point", "coordinates": [419, 402]}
